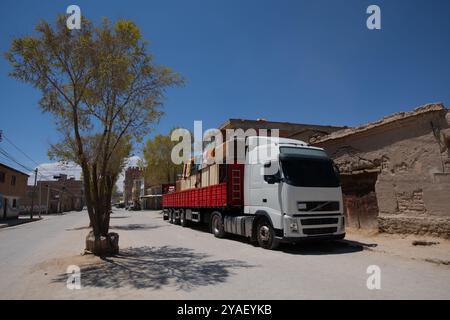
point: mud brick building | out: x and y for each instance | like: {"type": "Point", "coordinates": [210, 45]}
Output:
{"type": "Point", "coordinates": [55, 196]}
{"type": "Point", "coordinates": [133, 178]}
{"type": "Point", "coordinates": [13, 185]}
{"type": "Point", "coordinates": [396, 171]}
{"type": "Point", "coordinates": [286, 129]}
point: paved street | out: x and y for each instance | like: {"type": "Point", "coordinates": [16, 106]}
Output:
{"type": "Point", "coordinates": [163, 261]}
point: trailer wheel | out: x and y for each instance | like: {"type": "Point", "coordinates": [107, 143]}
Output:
{"type": "Point", "coordinates": [217, 228]}
{"type": "Point", "coordinates": [172, 216]}
{"type": "Point", "coordinates": [176, 216]}
{"type": "Point", "coordinates": [183, 222]}
{"type": "Point", "coordinates": [266, 235]}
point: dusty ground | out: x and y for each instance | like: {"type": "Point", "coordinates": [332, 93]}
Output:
{"type": "Point", "coordinates": [163, 261]}
{"type": "Point", "coordinates": [429, 249]}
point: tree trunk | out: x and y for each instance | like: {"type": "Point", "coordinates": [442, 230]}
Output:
{"type": "Point", "coordinates": [99, 241]}
{"type": "Point", "coordinates": [103, 245]}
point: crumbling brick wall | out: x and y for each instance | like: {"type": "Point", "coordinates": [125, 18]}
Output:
{"type": "Point", "coordinates": [410, 152]}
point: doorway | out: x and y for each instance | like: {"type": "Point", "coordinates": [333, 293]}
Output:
{"type": "Point", "coordinates": [360, 200]}
{"type": "Point", "coordinates": [5, 207]}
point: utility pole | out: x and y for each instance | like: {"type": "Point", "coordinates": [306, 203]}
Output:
{"type": "Point", "coordinates": [48, 197]}
{"type": "Point", "coordinates": [34, 191]}
{"type": "Point", "coordinates": [40, 199]}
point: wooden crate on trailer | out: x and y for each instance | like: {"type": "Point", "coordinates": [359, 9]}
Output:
{"type": "Point", "coordinates": [185, 184]}
{"type": "Point", "coordinates": [214, 174]}
{"type": "Point", "coordinates": [194, 181]}
{"type": "Point", "coordinates": [205, 177]}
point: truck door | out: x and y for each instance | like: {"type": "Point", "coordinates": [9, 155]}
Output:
{"type": "Point", "coordinates": [259, 195]}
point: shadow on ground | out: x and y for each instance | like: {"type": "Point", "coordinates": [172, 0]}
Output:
{"type": "Point", "coordinates": [326, 247]}
{"type": "Point", "coordinates": [79, 228]}
{"type": "Point", "coordinates": [157, 267]}
{"type": "Point", "coordinates": [135, 226]}
{"type": "Point", "coordinates": [126, 227]}
{"type": "Point", "coordinates": [304, 248]}
{"type": "Point", "coordinates": [16, 221]}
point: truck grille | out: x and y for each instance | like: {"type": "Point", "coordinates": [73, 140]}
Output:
{"type": "Point", "coordinates": [316, 231]}
{"type": "Point", "coordinates": [318, 206]}
{"type": "Point", "coordinates": [318, 221]}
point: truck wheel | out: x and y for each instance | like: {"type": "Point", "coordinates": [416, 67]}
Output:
{"type": "Point", "coordinates": [266, 235]}
{"type": "Point", "coordinates": [183, 222]}
{"type": "Point", "coordinates": [217, 225]}
{"type": "Point", "coordinates": [171, 216]}
{"type": "Point", "coordinates": [165, 215]}
{"type": "Point", "coordinates": [176, 217]}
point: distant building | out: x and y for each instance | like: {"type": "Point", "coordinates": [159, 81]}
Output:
{"type": "Point", "coordinates": [152, 200]}
{"type": "Point", "coordinates": [133, 182]}
{"type": "Point", "coordinates": [56, 196]}
{"type": "Point", "coordinates": [13, 184]}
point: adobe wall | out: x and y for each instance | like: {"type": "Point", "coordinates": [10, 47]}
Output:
{"type": "Point", "coordinates": [413, 165]}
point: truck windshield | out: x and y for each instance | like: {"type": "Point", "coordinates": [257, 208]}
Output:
{"type": "Point", "coordinates": [306, 171]}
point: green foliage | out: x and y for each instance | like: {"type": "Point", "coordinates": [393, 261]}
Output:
{"type": "Point", "coordinates": [104, 91]}
{"type": "Point", "coordinates": [159, 166]}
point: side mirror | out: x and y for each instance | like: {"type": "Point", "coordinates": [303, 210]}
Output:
{"type": "Point", "coordinates": [272, 178]}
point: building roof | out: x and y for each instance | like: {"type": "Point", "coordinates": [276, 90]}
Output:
{"type": "Point", "coordinates": [395, 117]}
{"type": "Point", "coordinates": [286, 128]}
{"type": "Point", "coordinates": [12, 169]}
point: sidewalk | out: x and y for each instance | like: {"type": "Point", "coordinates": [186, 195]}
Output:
{"type": "Point", "coordinates": [14, 222]}
{"type": "Point", "coordinates": [425, 248]}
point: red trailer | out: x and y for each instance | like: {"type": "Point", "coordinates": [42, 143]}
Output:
{"type": "Point", "coordinates": [228, 194]}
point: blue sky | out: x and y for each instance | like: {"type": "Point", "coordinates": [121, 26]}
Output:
{"type": "Point", "coordinates": [298, 61]}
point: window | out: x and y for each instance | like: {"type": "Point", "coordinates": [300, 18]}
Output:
{"type": "Point", "coordinates": [14, 203]}
{"type": "Point", "coordinates": [310, 172]}
{"type": "Point", "coordinates": [13, 180]}
{"type": "Point", "coordinates": [2, 177]}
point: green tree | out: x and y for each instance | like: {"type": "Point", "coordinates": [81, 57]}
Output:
{"type": "Point", "coordinates": [103, 89]}
{"type": "Point", "coordinates": [159, 167]}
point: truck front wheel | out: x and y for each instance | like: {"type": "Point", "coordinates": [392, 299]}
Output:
{"type": "Point", "coordinates": [266, 235]}
{"type": "Point", "coordinates": [217, 225]}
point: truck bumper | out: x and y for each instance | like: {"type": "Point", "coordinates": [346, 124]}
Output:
{"type": "Point", "coordinates": [328, 237]}
{"type": "Point", "coordinates": [304, 228]}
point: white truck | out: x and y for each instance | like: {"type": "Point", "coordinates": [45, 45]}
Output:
{"type": "Point", "coordinates": [286, 191]}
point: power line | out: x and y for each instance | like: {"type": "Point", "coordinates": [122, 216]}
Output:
{"type": "Point", "coordinates": [7, 155]}
{"type": "Point", "coordinates": [11, 159]}
{"type": "Point", "coordinates": [20, 150]}
{"type": "Point", "coordinates": [2, 135]}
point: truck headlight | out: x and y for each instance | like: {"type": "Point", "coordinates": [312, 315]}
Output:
{"type": "Point", "coordinates": [293, 226]}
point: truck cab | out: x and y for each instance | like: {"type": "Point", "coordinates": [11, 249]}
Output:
{"type": "Point", "coordinates": [295, 187]}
